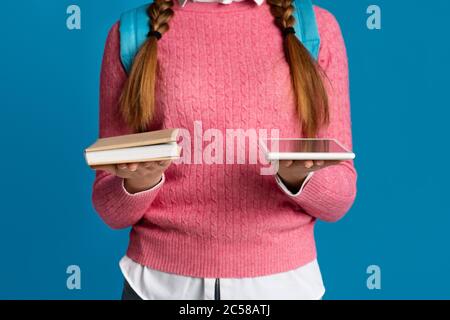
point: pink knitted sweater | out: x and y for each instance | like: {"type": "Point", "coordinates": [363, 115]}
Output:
{"type": "Point", "coordinates": [224, 65]}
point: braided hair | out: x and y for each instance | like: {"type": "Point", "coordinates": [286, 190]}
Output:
{"type": "Point", "coordinates": [137, 101]}
{"type": "Point", "coordinates": [309, 89]}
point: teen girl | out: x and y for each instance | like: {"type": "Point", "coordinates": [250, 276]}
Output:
{"type": "Point", "coordinates": [224, 231]}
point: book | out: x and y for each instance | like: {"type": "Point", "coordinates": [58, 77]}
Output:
{"type": "Point", "coordinates": [140, 147]}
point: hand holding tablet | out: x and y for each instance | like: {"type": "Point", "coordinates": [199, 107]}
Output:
{"type": "Point", "coordinates": [299, 157]}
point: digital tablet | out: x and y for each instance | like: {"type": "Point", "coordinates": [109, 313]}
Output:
{"type": "Point", "coordinates": [304, 149]}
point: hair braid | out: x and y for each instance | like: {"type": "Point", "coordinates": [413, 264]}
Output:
{"type": "Point", "coordinates": [137, 101]}
{"type": "Point", "coordinates": [309, 90]}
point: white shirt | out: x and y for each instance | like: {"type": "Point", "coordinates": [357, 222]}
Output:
{"type": "Point", "coordinates": [303, 283]}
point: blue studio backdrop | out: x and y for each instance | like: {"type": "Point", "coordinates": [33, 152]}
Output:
{"type": "Point", "coordinates": [400, 111]}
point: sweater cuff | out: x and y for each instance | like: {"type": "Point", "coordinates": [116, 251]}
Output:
{"type": "Point", "coordinates": [287, 191]}
{"type": "Point", "coordinates": [137, 194]}
{"type": "Point", "coordinates": [119, 208]}
{"type": "Point", "coordinates": [327, 196]}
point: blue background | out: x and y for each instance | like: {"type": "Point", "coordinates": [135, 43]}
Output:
{"type": "Point", "coordinates": [400, 110]}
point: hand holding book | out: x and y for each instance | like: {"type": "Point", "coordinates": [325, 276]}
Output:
{"type": "Point", "coordinates": [140, 159]}
{"type": "Point", "coordinates": [138, 176]}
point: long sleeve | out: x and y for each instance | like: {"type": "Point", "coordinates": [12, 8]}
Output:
{"type": "Point", "coordinates": [118, 208]}
{"type": "Point", "coordinates": [331, 191]}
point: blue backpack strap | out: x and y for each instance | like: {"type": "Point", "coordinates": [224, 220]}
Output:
{"type": "Point", "coordinates": [306, 26]}
{"type": "Point", "coordinates": [134, 27]}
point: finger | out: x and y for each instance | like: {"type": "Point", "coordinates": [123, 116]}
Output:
{"type": "Point", "coordinates": [318, 162]}
{"type": "Point", "coordinates": [148, 164]}
{"type": "Point", "coordinates": [122, 170]}
{"type": "Point", "coordinates": [308, 164]}
{"type": "Point", "coordinates": [122, 166]}
{"type": "Point", "coordinates": [286, 163]}
{"type": "Point", "coordinates": [163, 163]}
{"type": "Point", "coordinates": [133, 166]}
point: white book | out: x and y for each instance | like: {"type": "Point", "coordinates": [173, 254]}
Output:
{"type": "Point", "coordinates": [141, 147]}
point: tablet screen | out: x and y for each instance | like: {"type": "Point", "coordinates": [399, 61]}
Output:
{"type": "Point", "coordinates": [304, 145]}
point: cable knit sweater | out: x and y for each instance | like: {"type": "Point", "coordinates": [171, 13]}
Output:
{"type": "Point", "coordinates": [225, 66]}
